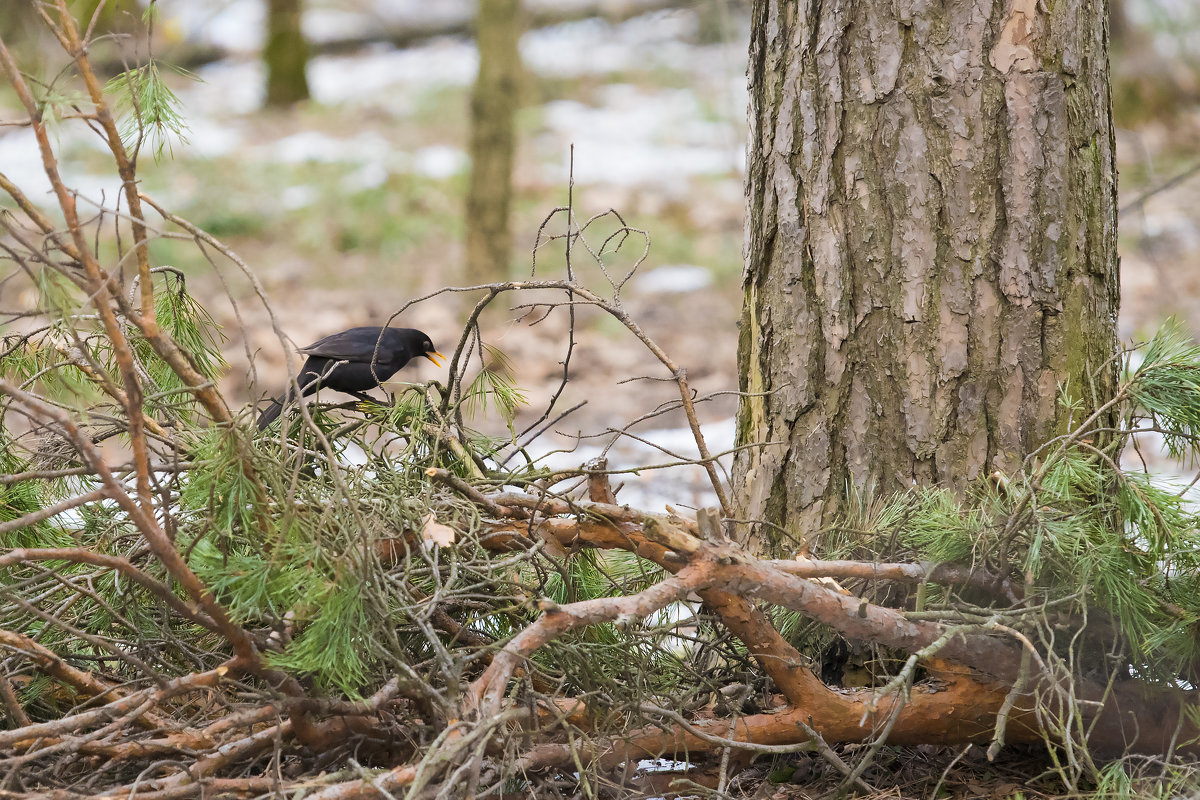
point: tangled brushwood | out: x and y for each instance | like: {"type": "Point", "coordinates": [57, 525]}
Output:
{"type": "Point", "coordinates": [377, 601]}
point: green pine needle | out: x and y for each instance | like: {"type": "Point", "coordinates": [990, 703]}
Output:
{"type": "Point", "coordinates": [149, 110]}
{"type": "Point", "coordinates": [1167, 386]}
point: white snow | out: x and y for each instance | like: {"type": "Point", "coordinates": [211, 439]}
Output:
{"type": "Point", "coordinates": [650, 489]}
{"type": "Point", "coordinates": [639, 136]}
{"type": "Point", "coordinates": [439, 161]}
{"type": "Point", "coordinates": [673, 278]}
{"type": "Point", "coordinates": [21, 162]}
{"type": "Point", "coordinates": [393, 79]}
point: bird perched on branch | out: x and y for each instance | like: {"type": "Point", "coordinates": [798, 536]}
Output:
{"type": "Point", "coordinates": [354, 361]}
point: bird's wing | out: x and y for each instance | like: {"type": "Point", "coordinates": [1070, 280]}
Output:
{"type": "Point", "coordinates": [355, 344]}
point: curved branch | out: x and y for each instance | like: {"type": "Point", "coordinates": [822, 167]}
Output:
{"type": "Point", "coordinates": [123, 566]}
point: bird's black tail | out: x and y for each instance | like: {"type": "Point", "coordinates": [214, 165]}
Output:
{"type": "Point", "coordinates": [270, 415]}
{"type": "Point", "coordinates": [273, 411]}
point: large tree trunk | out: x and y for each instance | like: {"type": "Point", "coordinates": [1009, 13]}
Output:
{"type": "Point", "coordinates": [931, 244]}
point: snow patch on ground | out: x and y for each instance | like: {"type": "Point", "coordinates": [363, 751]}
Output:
{"type": "Point", "coordinates": [439, 161]}
{"type": "Point", "coordinates": [596, 47]}
{"type": "Point", "coordinates": [390, 78]}
{"type": "Point", "coordinates": [630, 136]}
{"type": "Point", "coordinates": [674, 278]}
{"type": "Point", "coordinates": [232, 26]}
{"type": "Point", "coordinates": [371, 175]}
{"type": "Point", "coordinates": [208, 138]}
{"type": "Point", "coordinates": [298, 196]}
{"type": "Point", "coordinates": [21, 162]}
{"type": "Point", "coordinates": [224, 89]}
{"type": "Point", "coordinates": [639, 136]}
{"type": "Point", "coordinates": [314, 146]}
{"type": "Point", "coordinates": [649, 489]}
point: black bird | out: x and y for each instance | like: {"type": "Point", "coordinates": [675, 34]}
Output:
{"type": "Point", "coordinates": [353, 362]}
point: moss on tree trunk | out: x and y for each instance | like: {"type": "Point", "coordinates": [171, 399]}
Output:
{"type": "Point", "coordinates": [931, 244]}
{"type": "Point", "coordinates": [494, 102]}
{"type": "Point", "coordinates": [285, 53]}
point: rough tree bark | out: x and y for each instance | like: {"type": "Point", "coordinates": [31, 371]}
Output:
{"type": "Point", "coordinates": [285, 53]}
{"type": "Point", "coordinates": [931, 244]}
{"type": "Point", "coordinates": [493, 139]}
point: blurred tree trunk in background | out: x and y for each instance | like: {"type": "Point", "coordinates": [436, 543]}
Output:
{"type": "Point", "coordinates": [285, 53]}
{"type": "Point", "coordinates": [931, 245]}
{"type": "Point", "coordinates": [494, 103]}
{"type": "Point", "coordinates": [1149, 82]}
{"type": "Point", "coordinates": [1119, 28]}
{"type": "Point", "coordinates": [124, 16]}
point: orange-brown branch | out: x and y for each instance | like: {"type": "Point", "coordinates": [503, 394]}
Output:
{"type": "Point", "coordinates": [975, 669]}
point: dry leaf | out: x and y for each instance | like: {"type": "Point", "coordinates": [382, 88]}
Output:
{"type": "Point", "coordinates": [434, 531]}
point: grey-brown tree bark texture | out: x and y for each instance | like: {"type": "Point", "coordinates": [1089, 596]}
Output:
{"type": "Point", "coordinates": [931, 244]}
{"type": "Point", "coordinates": [494, 102]}
{"type": "Point", "coordinates": [285, 53]}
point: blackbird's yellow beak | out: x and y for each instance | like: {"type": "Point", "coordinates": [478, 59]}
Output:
{"type": "Point", "coordinates": [433, 356]}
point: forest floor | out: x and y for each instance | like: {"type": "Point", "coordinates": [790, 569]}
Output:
{"type": "Point", "coordinates": [914, 773]}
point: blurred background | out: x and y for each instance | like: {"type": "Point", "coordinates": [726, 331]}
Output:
{"type": "Point", "coordinates": [331, 143]}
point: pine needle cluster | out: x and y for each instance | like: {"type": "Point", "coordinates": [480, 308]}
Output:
{"type": "Point", "coordinates": [311, 535]}
{"type": "Point", "coordinates": [1086, 534]}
